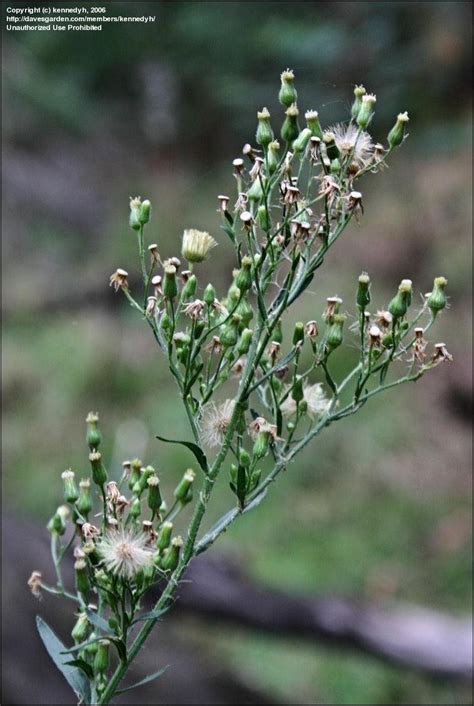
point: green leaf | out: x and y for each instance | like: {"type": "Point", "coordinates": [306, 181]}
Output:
{"type": "Point", "coordinates": [151, 615]}
{"type": "Point", "coordinates": [198, 453]}
{"type": "Point", "coordinates": [230, 232]}
{"type": "Point", "coordinates": [98, 622]}
{"type": "Point", "coordinates": [147, 679]}
{"type": "Point", "coordinates": [74, 677]}
{"type": "Point", "coordinates": [79, 647]}
{"type": "Point", "coordinates": [82, 665]}
{"type": "Point", "coordinates": [121, 648]}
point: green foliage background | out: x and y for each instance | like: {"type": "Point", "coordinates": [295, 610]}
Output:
{"type": "Point", "coordinates": [379, 508]}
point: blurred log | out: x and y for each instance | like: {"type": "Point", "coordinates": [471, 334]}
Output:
{"type": "Point", "coordinates": [410, 636]}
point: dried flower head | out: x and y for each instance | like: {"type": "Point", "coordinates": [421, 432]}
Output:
{"type": "Point", "coordinates": [119, 279]}
{"type": "Point", "coordinates": [90, 531]}
{"type": "Point", "coordinates": [194, 309]}
{"type": "Point", "coordinates": [34, 582]}
{"type": "Point", "coordinates": [441, 354]}
{"type": "Point", "coordinates": [124, 553]}
{"type": "Point", "coordinates": [196, 245]}
{"type": "Point", "coordinates": [354, 144]}
{"type": "Point", "coordinates": [215, 421]}
{"type": "Point", "coordinates": [316, 401]}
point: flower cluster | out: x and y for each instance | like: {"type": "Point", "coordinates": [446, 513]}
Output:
{"type": "Point", "coordinates": [256, 387]}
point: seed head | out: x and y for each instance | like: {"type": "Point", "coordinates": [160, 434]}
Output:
{"type": "Point", "coordinates": [196, 245]}
{"type": "Point", "coordinates": [124, 553]}
{"type": "Point", "coordinates": [215, 422]}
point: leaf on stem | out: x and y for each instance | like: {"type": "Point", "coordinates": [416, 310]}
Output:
{"type": "Point", "coordinates": [55, 648]}
{"type": "Point", "coordinates": [147, 679]}
{"type": "Point", "coordinates": [198, 453]}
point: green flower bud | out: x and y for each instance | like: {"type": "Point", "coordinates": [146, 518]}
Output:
{"type": "Point", "coordinates": [135, 508]}
{"type": "Point", "coordinates": [303, 406]}
{"type": "Point", "coordinates": [298, 333]}
{"type": "Point", "coordinates": [363, 291]}
{"type": "Point", "coordinates": [262, 442]}
{"type": "Point", "coordinates": [93, 434]}
{"type": "Point", "coordinates": [277, 335]}
{"type": "Point", "coordinates": [297, 392]}
{"type": "Point", "coordinates": [244, 458]}
{"type": "Point", "coordinates": [399, 305]}
{"type": "Point", "coordinates": [335, 167]}
{"type": "Point", "coordinates": [364, 116]}
{"type": "Point", "coordinates": [255, 193]}
{"type": "Point", "coordinates": [245, 341]}
{"type": "Point", "coordinates": [84, 502]}
{"type": "Point", "coordinates": [359, 91]}
{"type": "Point", "coordinates": [397, 133]}
{"type": "Point", "coordinates": [189, 289]}
{"type": "Point", "coordinates": [273, 158]}
{"type": "Point", "coordinates": [92, 648]}
{"type": "Point", "coordinates": [331, 147]}
{"type": "Point", "coordinates": [165, 321]}
{"type": "Point", "coordinates": [290, 128]}
{"type": "Point", "coordinates": [145, 212]}
{"type": "Point", "coordinates": [171, 557]}
{"type": "Point", "coordinates": [70, 488]}
{"type": "Point", "coordinates": [164, 536]}
{"type": "Point", "coordinates": [82, 576]}
{"type": "Point", "coordinates": [312, 121]}
{"type": "Point", "coordinates": [154, 495]}
{"type": "Point", "coordinates": [243, 279]}
{"type": "Point", "coordinates": [99, 474]}
{"type": "Point", "coordinates": [437, 299]}
{"type": "Point", "coordinates": [335, 333]}
{"type": "Point", "coordinates": [264, 130]}
{"type": "Point", "coordinates": [301, 142]}
{"type": "Point", "coordinates": [245, 311]}
{"type": "Point", "coordinates": [287, 94]}
{"type": "Point", "coordinates": [230, 332]}
{"type": "Point", "coordinates": [57, 523]}
{"type": "Point", "coordinates": [135, 471]}
{"type": "Point", "coordinates": [263, 218]}
{"type": "Point", "coordinates": [184, 485]}
{"type": "Point", "coordinates": [80, 629]}
{"type": "Point", "coordinates": [145, 474]}
{"type": "Point", "coordinates": [135, 206]}
{"type": "Point", "coordinates": [101, 660]}
{"type": "Point", "coordinates": [209, 295]}
{"type": "Point", "coordinates": [170, 285]}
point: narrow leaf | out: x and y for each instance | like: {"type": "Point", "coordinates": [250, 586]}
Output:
{"type": "Point", "coordinates": [198, 453]}
{"type": "Point", "coordinates": [83, 666]}
{"type": "Point", "coordinates": [98, 621]}
{"type": "Point", "coordinates": [151, 615]}
{"type": "Point", "coordinates": [147, 679]}
{"type": "Point", "coordinates": [74, 677]}
{"type": "Point", "coordinates": [79, 647]}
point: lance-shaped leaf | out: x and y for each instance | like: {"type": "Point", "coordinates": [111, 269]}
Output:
{"type": "Point", "coordinates": [198, 453]}
{"type": "Point", "coordinates": [74, 676]}
{"type": "Point", "coordinates": [147, 679]}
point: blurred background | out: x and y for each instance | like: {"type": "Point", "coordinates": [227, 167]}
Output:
{"type": "Point", "coordinates": [379, 508]}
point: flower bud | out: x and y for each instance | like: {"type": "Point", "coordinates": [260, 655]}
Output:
{"type": "Point", "coordinates": [57, 523]}
{"type": "Point", "coordinates": [255, 193]}
{"type": "Point", "coordinates": [82, 576]}
{"type": "Point", "coordinates": [135, 508]}
{"type": "Point", "coordinates": [70, 488]}
{"type": "Point", "coordinates": [101, 659]}
{"type": "Point", "coordinates": [80, 629]}
{"type": "Point", "coordinates": [297, 391]}
{"type": "Point", "coordinates": [184, 485]}
{"type": "Point", "coordinates": [301, 142]}
{"type": "Point", "coordinates": [145, 212]}
{"type": "Point", "coordinates": [332, 150]}
{"type": "Point", "coordinates": [84, 502]}
{"type": "Point", "coordinates": [263, 218]}
{"type": "Point", "coordinates": [154, 495]}
{"type": "Point", "coordinates": [196, 245]}
{"type": "Point", "coordinates": [298, 333]}
{"type": "Point", "coordinates": [262, 442]}
{"type": "Point", "coordinates": [142, 482]}
{"type": "Point", "coordinates": [99, 474]}
{"type": "Point", "coordinates": [366, 111]}
{"type": "Point", "coordinates": [164, 536]}
{"type": "Point", "coordinates": [135, 471]}
{"type": "Point", "coordinates": [209, 295]}
{"type": "Point", "coordinates": [93, 434]}
{"type": "Point", "coordinates": [335, 333]}
{"type": "Point", "coordinates": [397, 133]}
{"type": "Point", "coordinates": [135, 206]}
{"type": "Point", "coordinates": [243, 280]}
{"type": "Point", "coordinates": [170, 286]}
{"type": "Point", "coordinates": [399, 305]}
{"type": "Point", "coordinates": [244, 458]}
{"type": "Point", "coordinates": [437, 299]}
{"type": "Point", "coordinates": [290, 128]}
{"type": "Point", "coordinates": [359, 91]}
{"type": "Point", "coordinates": [230, 332]}
{"type": "Point", "coordinates": [363, 291]}
{"type": "Point", "coordinates": [312, 121]}
{"type": "Point", "coordinates": [277, 334]}
{"type": "Point", "coordinates": [272, 156]}
{"type": "Point", "coordinates": [287, 94]}
{"type": "Point", "coordinates": [189, 289]}
{"type": "Point", "coordinates": [264, 130]}
{"type": "Point", "coordinates": [335, 167]}
{"type": "Point", "coordinates": [171, 557]}
{"type": "Point", "coordinates": [245, 341]}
